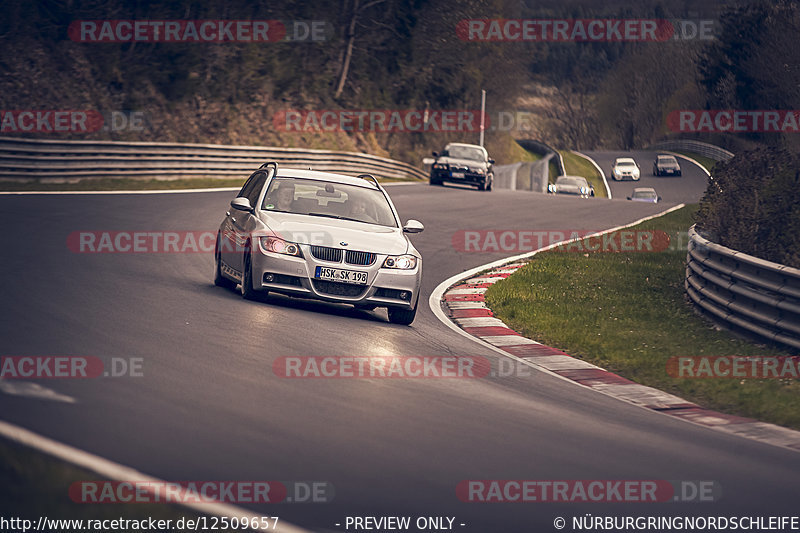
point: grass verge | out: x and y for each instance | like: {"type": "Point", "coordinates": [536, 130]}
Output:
{"type": "Point", "coordinates": [575, 165]}
{"type": "Point", "coordinates": [37, 485]}
{"type": "Point", "coordinates": [627, 312]}
{"type": "Point", "coordinates": [707, 162]}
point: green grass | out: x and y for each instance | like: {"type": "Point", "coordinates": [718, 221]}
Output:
{"type": "Point", "coordinates": [575, 165]}
{"type": "Point", "coordinates": [707, 162]}
{"type": "Point", "coordinates": [36, 484]}
{"type": "Point", "coordinates": [627, 312]}
{"type": "Point", "coordinates": [129, 184]}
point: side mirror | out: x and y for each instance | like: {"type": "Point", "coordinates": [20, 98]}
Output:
{"type": "Point", "coordinates": [491, 161]}
{"type": "Point", "coordinates": [435, 154]}
{"type": "Point", "coordinates": [413, 226]}
{"type": "Point", "coordinates": [629, 197]}
{"type": "Point", "coordinates": [241, 204]}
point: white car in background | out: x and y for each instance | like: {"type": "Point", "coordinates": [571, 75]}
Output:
{"type": "Point", "coordinates": [625, 168]}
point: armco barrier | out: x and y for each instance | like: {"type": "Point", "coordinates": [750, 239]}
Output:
{"type": "Point", "coordinates": [744, 291]}
{"type": "Point", "coordinates": [57, 159]}
{"type": "Point", "coordinates": [700, 148]}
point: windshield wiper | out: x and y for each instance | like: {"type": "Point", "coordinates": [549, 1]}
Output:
{"type": "Point", "coordinates": [327, 215]}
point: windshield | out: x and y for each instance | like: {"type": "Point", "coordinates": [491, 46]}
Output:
{"type": "Point", "coordinates": [328, 200]}
{"type": "Point", "coordinates": [576, 182]}
{"type": "Point", "coordinates": [465, 152]}
{"type": "Point", "coordinates": [668, 160]}
{"type": "Point", "coordinates": [646, 195]}
{"type": "Point", "coordinates": [625, 164]}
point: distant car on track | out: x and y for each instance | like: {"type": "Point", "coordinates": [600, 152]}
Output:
{"type": "Point", "coordinates": [576, 185]}
{"type": "Point", "coordinates": [319, 235]}
{"type": "Point", "coordinates": [468, 164]}
{"type": "Point", "coordinates": [666, 165]}
{"type": "Point", "coordinates": [625, 168]}
{"type": "Point", "coordinates": [645, 194]}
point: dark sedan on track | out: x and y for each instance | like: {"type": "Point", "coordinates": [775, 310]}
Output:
{"type": "Point", "coordinates": [666, 165]}
{"type": "Point", "coordinates": [468, 164]}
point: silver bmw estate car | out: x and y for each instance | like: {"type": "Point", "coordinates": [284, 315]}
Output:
{"type": "Point", "coordinates": [319, 235]}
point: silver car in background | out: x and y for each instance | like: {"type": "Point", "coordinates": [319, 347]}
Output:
{"type": "Point", "coordinates": [577, 185]}
{"type": "Point", "coordinates": [319, 235]}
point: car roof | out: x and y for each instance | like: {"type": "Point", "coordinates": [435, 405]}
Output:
{"type": "Point", "coordinates": [287, 172]}
{"type": "Point", "coordinates": [625, 160]}
{"type": "Point", "coordinates": [467, 145]}
{"type": "Point", "coordinates": [665, 156]}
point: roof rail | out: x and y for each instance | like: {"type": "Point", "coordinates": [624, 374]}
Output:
{"type": "Point", "coordinates": [270, 164]}
{"type": "Point", "coordinates": [370, 177]}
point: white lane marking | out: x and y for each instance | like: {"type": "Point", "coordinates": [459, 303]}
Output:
{"type": "Point", "coordinates": [466, 305]}
{"type": "Point", "coordinates": [689, 159]}
{"type": "Point", "coordinates": [562, 362]}
{"type": "Point", "coordinates": [480, 322]}
{"type": "Point", "coordinates": [512, 339]}
{"type": "Point", "coordinates": [117, 472]}
{"type": "Point", "coordinates": [479, 290]}
{"type": "Point", "coordinates": [600, 170]}
{"type": "Point", "coordinates": [33, 390]}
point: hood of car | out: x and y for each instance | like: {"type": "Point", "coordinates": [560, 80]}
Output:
{"type": "Point", "coordinates": [468, 163]}
{"type": "Point", "coordinates": [331, 232]}
{"type": "Point", "coordinates": [647, 200]}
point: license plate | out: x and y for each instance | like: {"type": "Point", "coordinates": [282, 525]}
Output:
{"type": "Point", "coordinates": [344, 276]}
{"type": "Point", "coordinates": [457, 174]}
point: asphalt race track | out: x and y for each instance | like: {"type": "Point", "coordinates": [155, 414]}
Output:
{"type": "Point", "coordinates": [209, 406]}
{"type": "Point", "coordinates": [691, 185]}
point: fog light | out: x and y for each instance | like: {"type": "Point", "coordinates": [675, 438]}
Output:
{"type": "Point", "coordinates": [268, 277]}
{"type": "Point", "coordinates": [404, 295]}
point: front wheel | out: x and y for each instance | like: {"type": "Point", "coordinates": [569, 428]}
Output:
{"type": "Point", "coordinates": [398, 315]}
{"type": "Point", "coordinates": [248, 292]}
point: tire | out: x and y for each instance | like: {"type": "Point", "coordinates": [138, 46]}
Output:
{"type": "Point", "coordinates": [248, 292]}
{"type": "Point", "coordinates": [490, 183]}
{"type": "Point", "coordinates": [398, 315]}
{"type": "Point", "coordinates": [219, 279]}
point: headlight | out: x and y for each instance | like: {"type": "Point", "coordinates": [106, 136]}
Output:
{"type": "Point", "coordinates": [479, 171]}
{"type": "Point", "coordinates": [584, 190]}
{"type": "Point", "coordinates": [279, 246]}
{"type": "Point", "coordinates": [401, 262]}
{"type": "Point", "coordinates": [551, 188]}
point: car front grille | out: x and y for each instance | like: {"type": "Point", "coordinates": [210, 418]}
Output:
{"type": "Point", "coordinates": [339, 289]}
{"type": "Point", "coordinates": [359, 258]}
{"type": "Point", "coordinates": [327, 254]}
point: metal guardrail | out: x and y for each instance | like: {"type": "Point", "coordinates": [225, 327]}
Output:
{"type": "Point", "coordinates": [59, 159]}
{"type": "Point", "coordinates": [759, 296]}
{"type": "Point", "coordinates": [698, 147]}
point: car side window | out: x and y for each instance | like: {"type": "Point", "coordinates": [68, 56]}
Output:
{"type": "Point", "coordinates": [258, 185]}
{"type": "Point", "coordinates": [248, 186]}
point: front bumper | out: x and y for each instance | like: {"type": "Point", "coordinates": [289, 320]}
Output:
{"type": "Point", "coordinates": [458, 176]}
{"type": "Point", "coordinates": [295, 276]}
